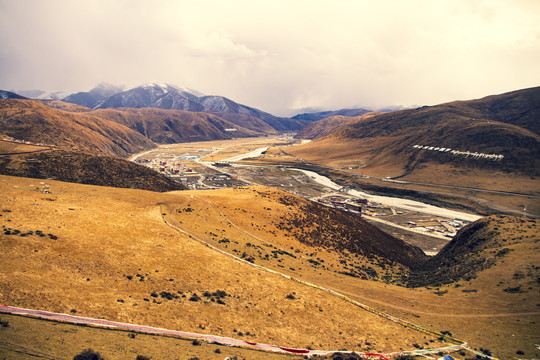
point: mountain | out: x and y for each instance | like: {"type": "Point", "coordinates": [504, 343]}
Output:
{"type": "Point", "coordinates": [91, 98]}
{"type": "Point", "coordinates": [33, 121]}
{"type": "Point", "coordinates": [173, 126]}
{"type": "Point", "coordinates": [10, 95]}
{"type": "Point", "coordinates": [314, 116]}
{"type": "Point", "coordinates": [326, 126]}
{"type": "Point", "coordinates": [42, 95]}
{"type": "Point", "coordinates": [221, 104]}
{"type": "Point", "coordinates": [171, 97]}
{"type": "Point", "coordinates": [157, 95]}
{"type": "Point", "coordinates": [461, 135]}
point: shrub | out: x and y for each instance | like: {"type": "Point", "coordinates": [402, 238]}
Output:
{"type": "Point", "coordinates": [4, 323]}
{"type": "Point", "coordinates": [194, 297]}
{"type": "Point", "coordinates": [514, 290]}
{"type": "Point", "coordinates": [142, 357]}
{"type": "Point", "coordinates": [404, 357]}
{"type": "Point", "coordinates": [88, 354]}
{"type": "Point", "coordinates": [196, 342]}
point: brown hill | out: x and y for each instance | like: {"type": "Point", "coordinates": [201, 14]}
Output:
{"type": "Point", "coordinates": [326, 126]}
{"type": "Point", "coordinates": [384, 145]}
{"type": "Point", "coordinates": [83, 168]}
{"type": "Point", "coordinates": [112, 256]}
{"type": "Point", "coordinates": [108, 253]}
{"type": "Point", "coordinates": [174, 126]}
{"type": "Point", "coordinates": [65, 106]}
{"type": "Point", "coordinates": [32, 121]}
{"type": "Point", "coordinates": [479, 246]}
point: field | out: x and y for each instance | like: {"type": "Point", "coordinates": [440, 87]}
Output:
{"type": "Point", "coordinates": [109, 250]}
{"type": "Point", "coordinates": [103, 252]}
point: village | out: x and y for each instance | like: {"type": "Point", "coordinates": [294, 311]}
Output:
{"type": "Point", "coordinates": [192, 169]}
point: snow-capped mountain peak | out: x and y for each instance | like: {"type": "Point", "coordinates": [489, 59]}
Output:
{"type": "Point", "coordinates": [165, 88]}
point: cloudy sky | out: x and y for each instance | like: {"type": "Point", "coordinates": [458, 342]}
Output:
{"type": "Point", "coordinates": [277, 55]}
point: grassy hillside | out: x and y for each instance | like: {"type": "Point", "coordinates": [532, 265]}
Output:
{"type": "Point", "coordinates": [386, 145]}
{"type": "Point", "coordinates": [83, 168]}
{"type": "Point", "coordinates": [326, 126]}
{"type": "Point", "coordinates": [104, 252]}
{"type": "Point", "coordinates": [32, 121]}
{"type": "Point", "coordinates": [174, 126]}
{"type": "Point", "coordinates": [488, 242]}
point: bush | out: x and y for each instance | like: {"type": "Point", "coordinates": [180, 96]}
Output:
{"type": "Point", "coordinates": [196, 342]}
{"type": "Point", "coordinates": [404, 357]}
{"type": "Point", "coordinates": [142, 357]}
{"type": "Point", "coordinates": [88, 354]}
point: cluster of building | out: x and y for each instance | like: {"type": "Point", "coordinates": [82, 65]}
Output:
{"type": "Point", "coordinates": [170, 167]}
{"type": "Point", "coordinates": [448, 228]}
{"type": "Point", "coordinates": [352, 205]}
{"type": "Point", "coordinates": [363, 207]}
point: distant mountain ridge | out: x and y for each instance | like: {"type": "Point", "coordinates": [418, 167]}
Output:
{"type": "Point", "coordinates": [172, 97]}
{"type": "Point", "coordinates": [93, 97]}
{"type": "Point", "coordinates": [326, 126]}
{"type": "Point", "coordinates": [314, 116]}
{"type": "Point", "coordinates": [41, 94]}
{"type": "Point", "coordinates": [10, 95]}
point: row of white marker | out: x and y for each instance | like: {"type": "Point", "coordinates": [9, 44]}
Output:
{"type": "Point", "coordinates": [474, 155]}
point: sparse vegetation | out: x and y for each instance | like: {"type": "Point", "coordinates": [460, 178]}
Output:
{"type": "Point", "coordinates": [88, 354]}
{"type": "Point", "coordinates": [4, 323]}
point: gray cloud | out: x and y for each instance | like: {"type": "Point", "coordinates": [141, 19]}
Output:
{"type": "Point", "coordinates": [276, 55]}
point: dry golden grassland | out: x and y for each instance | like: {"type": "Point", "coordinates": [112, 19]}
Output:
{"type": "Point", "coordinates": [109, 250]}
{"type": "Point", "coordinates": [479, 310]}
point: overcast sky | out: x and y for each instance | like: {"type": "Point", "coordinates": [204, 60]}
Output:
{"type": "Point", "coordinates": [277, 55]}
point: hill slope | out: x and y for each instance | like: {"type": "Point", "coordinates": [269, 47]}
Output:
{"type": "Point", "coordinates": [174, 126]}
{"type": "Point", "coordinates": [120, 261]}
{"type": "Point", "coordinates": [82, 168]}
{"type": "Point", "coordinates": [479, 246]}
{"type": "Point", "coordinates": [32, 121]}
{"type": "Point", "coordinates": [110, 255]}
{"type": "Point", "coordinates": [496, 125]}
{"type": "Point", "coordinates": [315, 116]}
